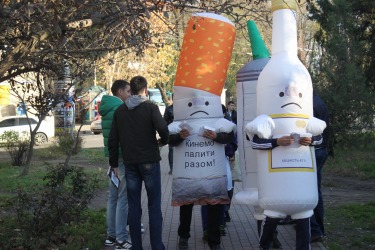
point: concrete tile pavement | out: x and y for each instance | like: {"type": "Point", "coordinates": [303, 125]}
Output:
{"type": "Point", "coordinates": [241, 231]}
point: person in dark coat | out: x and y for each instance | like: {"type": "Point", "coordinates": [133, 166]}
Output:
{"type": "Point", "coordinates": [134, 126]}
{"type": "Point", "coordinates": [231, 114]}
{"type": "Point", "coordinates": [321, 155]}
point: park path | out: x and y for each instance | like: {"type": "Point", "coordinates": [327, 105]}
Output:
{"type": "Point", "coordinates": [241, 231]}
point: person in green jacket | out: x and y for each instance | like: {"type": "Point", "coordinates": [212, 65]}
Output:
{"type": "Point", "coordinates": [117, 206]}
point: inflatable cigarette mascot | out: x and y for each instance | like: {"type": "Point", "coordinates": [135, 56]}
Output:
{"type": "Point", "coordinates": [199, 174]}
{"type": "Point", "coordinates": [286, 174]}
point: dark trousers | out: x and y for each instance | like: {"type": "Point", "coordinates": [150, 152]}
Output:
{"type": "Point", "coordinates": [317, 220]}
{"type": "Point", "coordinates": [230, 194]}
{"type": "Point", "coordinates": [204, 212]}
{"type": "Point", "coordinates": [213, 223]}
{"type": "Point", "coordinates": [170, 157]}
{"type": "Point", "coordinates": [302, 233]}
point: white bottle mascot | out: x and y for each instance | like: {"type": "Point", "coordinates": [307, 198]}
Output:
{"type": "Point", "coordinates": [199, 174]}
{"type": "Point", "coordinates": [286, 174]}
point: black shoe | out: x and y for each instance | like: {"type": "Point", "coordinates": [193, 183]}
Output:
{"type": "Point", "coordinates": [183, 243]}
{"type": "Point", "coordinates": [316, 238]}
{"type": "Point", "coordinates": [205, 236]}
{"type": "Point", "coordinates": [227, 217]}
{"type": "Point", "coordinates": [216, 247]}
{"type": "Point", "coordinates": [276, 244]}
{"type": "Point", "coordinates": [262, 248]}
{"type": "Point", "coordinates": [223, 232]}
{"type": "Point", "coordinates": [170, 171]}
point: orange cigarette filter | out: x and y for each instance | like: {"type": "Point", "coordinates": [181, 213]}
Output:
{"type": "Point", "coordinates": [205, 54]}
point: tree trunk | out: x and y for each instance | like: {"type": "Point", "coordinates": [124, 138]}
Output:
{"type": "Point", "coordinates": [30, 154]}
{"type": "Point", "coordinates": [163, 94]}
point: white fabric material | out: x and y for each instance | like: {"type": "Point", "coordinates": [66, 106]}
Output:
{"type": "Point", "coordinates": [262, 125]}
{"type": "Point", "coordinates": [189, 103]}
{"type": "Point", "coordinates": [286, 174]}
{"type": "Point", "coordinates": [315, 126]}
{"type": "Point", "coordinates": [200, 165]}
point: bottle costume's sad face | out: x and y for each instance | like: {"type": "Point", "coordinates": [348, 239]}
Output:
{"type": "Point", "coordinates": [291, 96]}
{"type": "Point", "coordinates": [289, 93]}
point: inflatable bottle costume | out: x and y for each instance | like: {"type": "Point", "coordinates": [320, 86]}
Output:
{"type": "Point", "coordinates": [286, 175]}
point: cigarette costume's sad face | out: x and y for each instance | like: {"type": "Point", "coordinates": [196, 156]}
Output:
{"type": "Point", "coordinates": [196, 104]}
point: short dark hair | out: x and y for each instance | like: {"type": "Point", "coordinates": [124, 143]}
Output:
{"type": "Point", "coordinates": [231, 102]}
{"type": "Point", "coordinates": [224, 109]}
{"type": "Point", "coordinates": [137, 83]}
{"type": "Point", "coordinates": [117, 85]}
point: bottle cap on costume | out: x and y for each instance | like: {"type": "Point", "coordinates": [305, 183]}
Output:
{"type": "Point", "coordinates": [284, 4]}
{"type": "Point", "coordinates": [257, 44]}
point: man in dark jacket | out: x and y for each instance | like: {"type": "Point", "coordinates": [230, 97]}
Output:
{"type": "Point", "coordinates": [321, 155]}
{"type": "Point", "coordinates": [134, 125]}
{"type": "Point", "coordinates": [231, 112]}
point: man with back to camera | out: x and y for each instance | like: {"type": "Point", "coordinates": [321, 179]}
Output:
{"type": "Point", "coordinates": [134, 126]}
{"type": "Point", "coordinates": [117, 205]}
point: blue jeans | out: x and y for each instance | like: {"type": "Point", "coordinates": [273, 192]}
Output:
{"type": "Point", "coordinates": [317, 220]}
{"type": "Point", "coordinates": [150, 174]}
{"type": "Point", "coordinates": [117, 208]}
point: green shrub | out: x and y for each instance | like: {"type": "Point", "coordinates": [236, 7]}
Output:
{"type": "Point", "coordinates": [65, 143]}
{"type": "Point", "coordinates": [43, 213]}
{"type": "Point", "coordinates": [16, 145]}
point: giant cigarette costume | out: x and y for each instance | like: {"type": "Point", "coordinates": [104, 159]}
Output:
{"type": "Point", "coordinates": [199, 174]}
{"type": "Point", "coordinates": [286, 174]}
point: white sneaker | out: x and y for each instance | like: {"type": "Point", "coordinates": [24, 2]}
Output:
{"type": "Point", "coordinates": [123, 245]}
{"type": "Point", "coordinates": [110, 241]}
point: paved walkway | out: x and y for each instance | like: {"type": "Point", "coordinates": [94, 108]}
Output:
{"type": "Point", "coordinates": [241, 231]}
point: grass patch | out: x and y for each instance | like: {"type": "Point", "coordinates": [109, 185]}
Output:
{"type": "Point", "coordinates": [351, 227]}
{"type": "Point", "coordinates": [87, 154]}
{"type": "Point", "coordinates": [93, 155]}
{"type": "Point", "coordinates": [50, 153]}
{"type": "Point", "coordinates": [10, 179]}
{"type": "Point", "coordinates": [356, 162]}
{"type": "Point", "coordinates": [89, 233]}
